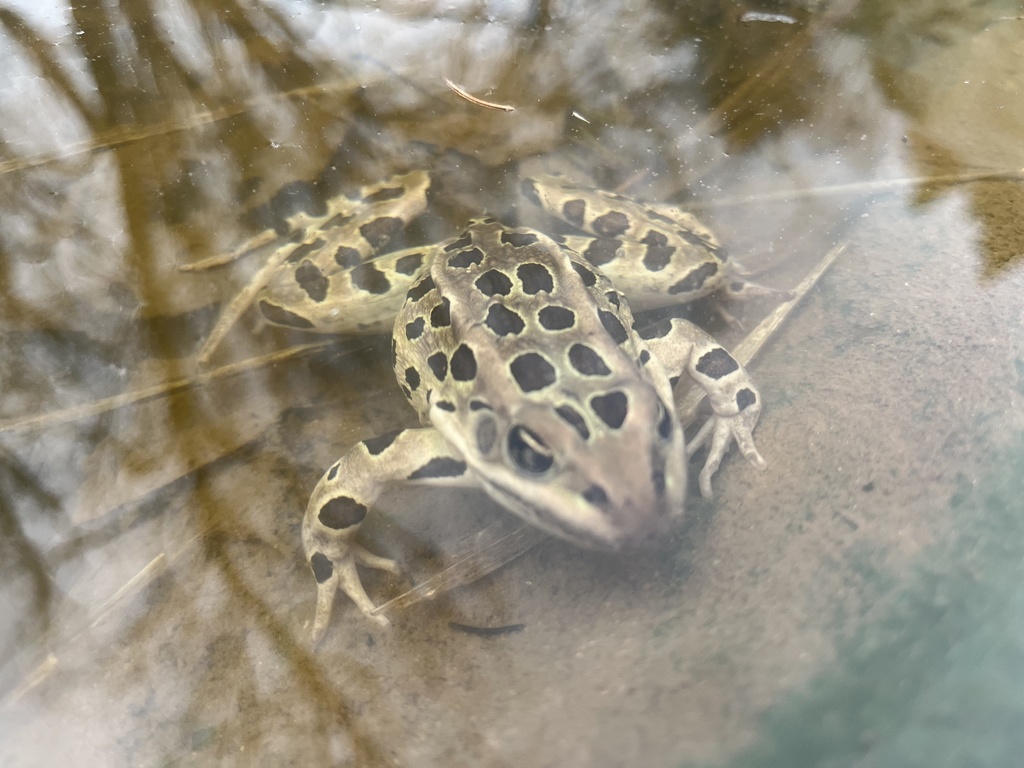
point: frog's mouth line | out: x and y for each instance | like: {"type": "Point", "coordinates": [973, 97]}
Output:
{"type": "Point", "coordinates": [538, 517]}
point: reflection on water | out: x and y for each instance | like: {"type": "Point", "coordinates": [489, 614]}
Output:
{"type": "Point", "coordinates": [138, 137]}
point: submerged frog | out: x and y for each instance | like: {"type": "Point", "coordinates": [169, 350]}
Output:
{"type": "Point", "coordinates": [519, 353]}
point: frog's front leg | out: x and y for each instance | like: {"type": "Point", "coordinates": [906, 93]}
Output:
{"type": "Point", "coordinates": [345, 494]}
{"type": "Point", "coordinates": [682, 346]}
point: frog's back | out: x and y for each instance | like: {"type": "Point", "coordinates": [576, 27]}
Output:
{"type": "Point", "coordinates": [524, 358]}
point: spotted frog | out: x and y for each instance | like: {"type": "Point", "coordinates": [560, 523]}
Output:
{"type": "Point", "coordinates": [520, 354]}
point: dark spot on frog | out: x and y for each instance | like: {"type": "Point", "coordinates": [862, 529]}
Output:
{"type": "Point", "coordinates": [305, 250]}
{"type": "Point", "coordinates": [658, 330]}
{"type": "Point", "coordinates": [554, 318]}
{"type": "Point", "coordinates": [412, 378]}
{"type": "Point", "coordinates": [281, 316]}
{"type": "Point", "coordinates": [333, 473]}
{"type": "Point", "coordinates": [596, 495]}
{"type": "Point", "coordinates": [463, 364]}
{"type": "Point", "coordinates": [368, 278]}
{"type": "Point", "coordinates": [699, 240]}
{"type": "Point", "coordinates": [695, 280]}
{"type": "Point", "coordinates": [716, 364]}
{"type": "Point", "coordinates": [612, 224]}
{"type": "Point", "coordinates": [311, 280]}
{"type": "Point", "coordinates": [440, 315]}
{"type": "Point", "coordinates": [574, 419]}
{"type": "Point", "coordinates": [341, 512]}
{"type": "Point", "coordinates": [322, 567]}
{"type": "Point", "coordinates": [444, 405]}
{"type": "Point", "coordinates": [377, 445]}
{"type": "Point", "coordinates": [656, 216]}
{"type": "Point", "coordinates": [613, 325]}
{"type": "Point", "coordinates": [532, 372]}
{"type": "Point", "coordinates": [493, 283]}
{"type": "Point", "coordinates": [347, 257]}
{"type": "Point", "coordinates": [645, 356]}
{"type": "Point", "coordinates": [466, 259]}
{"type": "Point", "coordinates": [421, 289]}
{"type": "Point", "coordinates": [438, 365]}
{"type": "Point", "coordinates": [462, 242]}
{"type": "Point", "coordinates": [518, 239]}
{"type": "Point", "coordinates": [439, 466]}
{"type": "Point", "coordinates": [601, 251]}
{"type": "Point", "coordinates": [613, 298]}
{"type": "Point", "coordinates": [659, 252]}
{"type": "Point", "coordinates": [589, 278]}
{"type": "Point", "coordinates": [414, 329]}
{"type": "Point", "coordinates": [611, 408]}
{"type": "Point", "coordinates": [378, 233]}
{"type": "Point", "coordinates": [337, 220]}
{"type": "Point", "coordinates": [535, 278]}
{"type": "Point", "coordinates": [574, 211]}
{"type": "Point", "coordinates": [586, 361]}
{"type": "Point", "coordinates": [410, 264]}
{"type": "Point", "coordinates": [503, 321]}
{"type": "Point", "coordinates": [745, 398]}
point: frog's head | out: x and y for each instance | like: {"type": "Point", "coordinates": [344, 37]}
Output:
{"type": "Point", "coordinates": [605, 471]}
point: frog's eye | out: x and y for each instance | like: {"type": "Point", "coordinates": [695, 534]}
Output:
{"type": "Point", "coordinates": [528, 452]}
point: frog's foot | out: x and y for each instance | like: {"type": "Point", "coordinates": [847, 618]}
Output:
{"type": "Point", "coordinates": [343, 498]}
{"type": "Point", "coordinates": [723, 430]}
{"type": "Point", "coordinates": [729, 318]}
{"type": "Point", "coordinates": [338, 571]}
{"type": "Point", "coordinates": [743, 290]}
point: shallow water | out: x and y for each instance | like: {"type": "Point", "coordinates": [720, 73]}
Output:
{"type": "Point", "coordinates": [855, 604]}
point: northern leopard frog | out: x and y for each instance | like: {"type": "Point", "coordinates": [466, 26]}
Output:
{"type": "Point", "coordinates": [520, 355]}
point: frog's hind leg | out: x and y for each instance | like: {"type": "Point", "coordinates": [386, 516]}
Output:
{"type": "Point", "coordinates": [682, 346]}
{"type": "Point", "coordinates": [342, 499]}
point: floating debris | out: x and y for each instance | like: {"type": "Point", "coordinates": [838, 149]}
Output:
{"type": "Point", "coordinates": [474, 100]}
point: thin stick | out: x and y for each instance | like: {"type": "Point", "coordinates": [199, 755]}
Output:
{"type": "Point", "coordinates": [88, 410]}
{"type": "Point", "coordinates": [474, 100]}
{"type": "Point", "coordinates": [859, 187]}
{"type": "Point", "coordinates": [127, 134]}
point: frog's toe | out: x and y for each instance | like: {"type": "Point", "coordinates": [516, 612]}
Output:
{"type": "Point", "coordinates": [726, 429]}
{"type": "Point", "coordinates": [341, 574]}
{"type": "Point", "coordinates": [364, 557]}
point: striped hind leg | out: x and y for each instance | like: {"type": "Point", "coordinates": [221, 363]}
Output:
{"type": "Point", "coordinates": [683, 347]}
{"type": "Point", "coordinates": [343, 497]}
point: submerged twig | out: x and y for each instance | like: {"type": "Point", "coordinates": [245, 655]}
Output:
{"type": "Point", "coordinates": [202, 378]}
{"type": "Point", "coordinates": [474, 100]}
{"type": "Point", "coordinates": [121, 135]}
{"type": "Point", "coordinates": [859, 188]}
